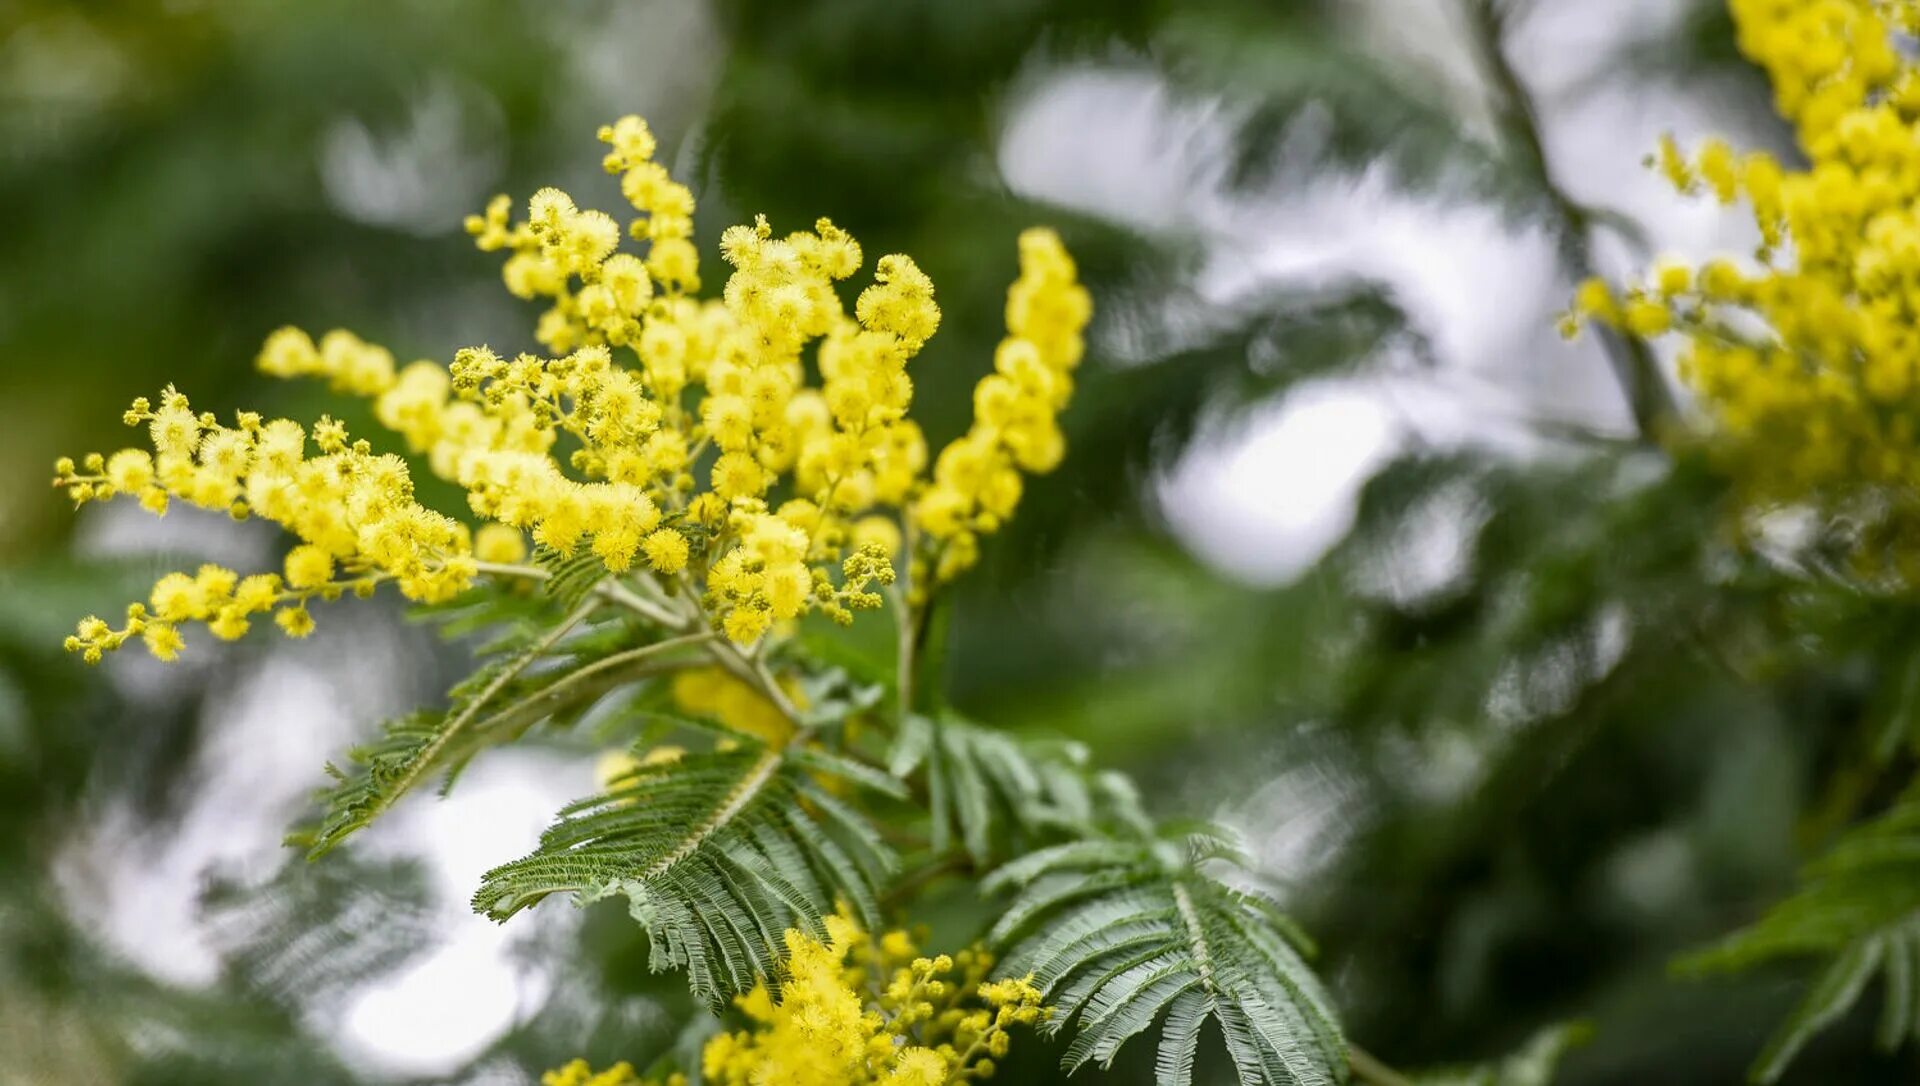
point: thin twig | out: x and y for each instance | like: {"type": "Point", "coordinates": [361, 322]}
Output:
{"type": "Point", "coordinates": [750, 670]}
{"type": "Point", "coordinates": [951, 864]}
{"type": "Point", "coordinates": [613, 589]}
{"type": "Point", "coordinates": [512, 569]}
{"type": "Point", "coordinates": [610, 589]}
{"type": "Point", "coordinates": [619, 660]}
{"type": "Point", "coordinates": [1368, 1068]}
{"type": "Point", "coordinates": [424, 761]}
{"type": "Point", "coordinates": [772, 689]}
{"type": "Point", "coordinates": [903, 640]}
{"type": "Point", "coordinates": [1649, 400]}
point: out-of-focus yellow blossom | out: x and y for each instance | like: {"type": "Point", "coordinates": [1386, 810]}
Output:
{"type": "Point", "coordinates": [1807, 359]}
{"type": "Point", "coordinates": [499, 543]}
{"type": "Point", "coordinates": [854, 1011]}
{"type": "Point", "coordinates": [713, 693]}
{"type": "Point", "coordinates": [617, 764]}
{"type": "Point", "coordinates": [581, 1073]}
{"type": "Point", "coordinates": [686, 443]}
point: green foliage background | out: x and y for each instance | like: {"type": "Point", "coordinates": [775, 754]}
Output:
{"type": "Point", "coordinates": [1660, 730]}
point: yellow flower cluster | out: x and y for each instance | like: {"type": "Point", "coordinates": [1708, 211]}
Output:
{"type": "Point", "coordinates": [1808, 359]}
{"type": "Point", "coordinates": [750, 453]}
{"type": "Point", "coordinates": [353, 510]}
{"type": "Point", "coordinates": [581, 1073]}
{"type": "Point", "coordinates": [976, 480]}
{"type": "Point", "coordinates": [854, 1011]}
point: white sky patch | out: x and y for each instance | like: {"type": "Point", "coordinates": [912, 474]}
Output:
{"type": "Point", "coordinates": [424, 175]}
{"type": "Point", "coordinates": [265, 737]}
{"type": "Point", "coordinates": [1114, 141]}
{"type": "Point", "coordinates": [264, 740]}
{"type": "Point", "coordinates": [446, 1008]}
{"type": "Point", "coordinates": [1430, 551]}
{"type": "Point", "coordinates": [1264, 503]}
{"type": "Point", "coordinates": [1297, 822]}
{"type": "Point", "coordinates": [1263, 498]}
{"type": "Point", "coordinates": [122, 529]}
{"type": "Point", "coordinates": [1445, 260]}
{"type": "Point", "coordinates": [437, 1014]}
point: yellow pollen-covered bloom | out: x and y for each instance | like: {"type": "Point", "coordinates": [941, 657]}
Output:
{"type": "Point", "coordinates": [581, 1073]}
{"type": "Point", "coordinates": [1805, 359]}
{"type": "Point", "coordinates": [744, 461]}
{"type": "Point", "coordinates": [855, 1011]}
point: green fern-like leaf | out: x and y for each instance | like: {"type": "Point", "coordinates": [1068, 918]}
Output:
{"type": "Point", "coordinates": [534, 675]}
{"type": "Point", "coordinates": [1858, 906]}
{"type": "Point", "coordinates": [1120, 934]}
{"type": "Point", "coordinates": [718, 855]}
{"type": "Point", "coordinates": [1535, 1063]}
{"type": "Point", "coordinates": [313, 934]}
{"type": "Point", "coordinates": [989, 791]}
{"type": "Point", "coordinates": [570, 576]}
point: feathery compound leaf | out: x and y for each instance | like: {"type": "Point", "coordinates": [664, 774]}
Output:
{"type": "Point", "coordinates": [986, 788]}
{"type": "Point", "coordinates": [571, 576]}
{"type": "Point", "coordinates": [1830, 998]}
{"type": "Point", "coordinates": [718, 854]}
{"type": "Point", "coordinates": [313, 934]}
{"type": "Point", "coordinates": [534, 678]}
{"type": "Point", "coordinates": [1534, 1063]}
{"type": "Point", "coordinates": [1120, 934]}
{"type": "Point", "coordinates": [1860, 905]}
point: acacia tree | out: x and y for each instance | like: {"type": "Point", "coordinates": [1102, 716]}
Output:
{"type": "Point", "coordinates": [711, 487]}
{"type": "Point", "coordinates": [739, 470]}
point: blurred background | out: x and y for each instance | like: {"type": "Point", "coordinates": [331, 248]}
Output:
{"type": "Point", "coordinates": [1351, 550]}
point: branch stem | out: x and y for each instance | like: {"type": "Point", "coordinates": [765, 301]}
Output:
{"type": "Point", "coordinates": [950, 864]}
{"type": "Point", "coordinates": [1649, 401]}
{"type": "Point", "coordinates": [1367, 1068]}
{"type": "Point", "coordinates": [430, 753]}
{"type": "Point", "coordinates": [618, 663]}
{"type": "Point", "coordinates": [751, 670]}
{"type": "Point", "coordinates": [904, 638]}
{"type": "Point", "coordinates": [610, 589]}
